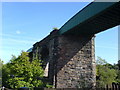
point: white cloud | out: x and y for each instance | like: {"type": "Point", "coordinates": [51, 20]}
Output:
{"type": "Point", "coordinates": [18, 41]}
{"type": "Point", "coordinates": [17, 36]}
{"type": "Point", "coordinates": [107, 47]}
{"type": "Point", "coordinates": [18, 32]}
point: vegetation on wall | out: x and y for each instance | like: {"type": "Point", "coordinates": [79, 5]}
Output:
{"type": "Point", "coordinates": [55, 28]}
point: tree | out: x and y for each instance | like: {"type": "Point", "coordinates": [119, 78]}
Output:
{"type": "Point", "coordinates": [117, 67]}
{"type": "Point", "coordinates": [100, 61]}
{"type": "Point", "coordinates": [20, 72]}
{"type": "Point", "coordinates": [105, 74]}
{"type": "Point", "coordinates": [1, 63]}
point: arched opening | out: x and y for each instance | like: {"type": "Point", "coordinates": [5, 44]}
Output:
{"type": "Point", "coordinates": [45, 59]}
{"type": "Point", "coordinates": [44, 56]}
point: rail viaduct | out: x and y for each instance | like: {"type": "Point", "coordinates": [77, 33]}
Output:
{"type": "Point", "coordinates": [69, 52]}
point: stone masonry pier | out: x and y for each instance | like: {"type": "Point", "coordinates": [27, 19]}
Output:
{"type": "Point", "coordinates": [71, 59]}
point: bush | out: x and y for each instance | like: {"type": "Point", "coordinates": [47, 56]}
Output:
{"type": "Point", "coordinates": [20, 72]}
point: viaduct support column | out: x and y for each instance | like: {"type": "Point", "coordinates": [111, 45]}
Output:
{"type": "Point", "coordinates": [75, 66]}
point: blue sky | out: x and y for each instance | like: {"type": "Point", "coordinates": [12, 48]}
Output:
{"type": "Point", "coordinates": [24, 23]}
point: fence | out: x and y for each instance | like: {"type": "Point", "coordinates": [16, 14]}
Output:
{"type": "Point", "coordinates": [113, 86]}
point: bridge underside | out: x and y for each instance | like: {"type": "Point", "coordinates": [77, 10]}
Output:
{"type": "Point", "coordinates": [70, 53]}
{"type": "Point", "coordinates": [97, 22]}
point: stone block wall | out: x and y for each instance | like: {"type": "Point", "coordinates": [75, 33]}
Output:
{"type": "Point", "coordinates": [71, 60]}
{"type": "Point", "coordinates": [75, 66]}
{"type": "Point", "coordinates": [45, 50]}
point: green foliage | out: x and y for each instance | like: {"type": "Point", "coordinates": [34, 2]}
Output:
{"type": "Point", "coordinates": [49, 86]}
{"type": "Point", "coordinates": [101, 61]}
{"type": "Point", "coordinates": [20, 72]}
{"type": "Point", "coordinates": [55, 28]}
{"type": "Point", "coordinates": [118, 76]}
{"type": "Point", "coordinates": [1, 63]}
{"type": "Point", "coordinates": [105, 73]}
{"type": "Point", "coordinates": [106, 76]}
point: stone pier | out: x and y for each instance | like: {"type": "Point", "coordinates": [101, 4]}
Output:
{"type": "Point", "coordinates": [71, 59]}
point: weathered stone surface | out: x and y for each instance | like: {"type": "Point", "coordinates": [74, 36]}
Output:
{"type": "Point", "coordinates": [76, 61]}
{"type": "Point", "coordinates": [71, 59]}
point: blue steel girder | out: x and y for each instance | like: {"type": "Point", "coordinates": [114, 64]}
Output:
{"type": "Point", "coordinates": [94, 18]}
